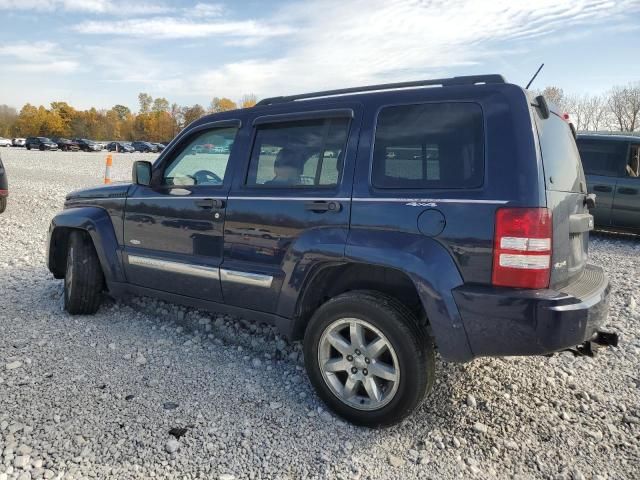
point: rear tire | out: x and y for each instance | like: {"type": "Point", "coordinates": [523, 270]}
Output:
{"type": "Point", "coordinates": [386, 362]}
{"type": "Point", "coordinates": [28, 147]}
{"type": "Point", "coordinates": [83, 282]}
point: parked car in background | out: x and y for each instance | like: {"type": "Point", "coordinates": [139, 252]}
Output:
{"type": "Point", "coordinates": [612, 167]}
{"type": "Point", "coordinates": [121, 147]}
{"type": "Point", "coordinates": [5, 142]}
{"type": "Point", "coordinates": [18, 142]}
{"type": "Point", "coordinates": [40, 143]}
{"type": "Point", "coordinates": [159, 146]}
{"type": "Point", "coordinates": [144, 147]}
{"type": "Point", "coordinates": [478, 248]}
{"type": "Point", "coordinates": [87, 145]}
{"type": "Point", "coordinates": [67, 145]}
{"type": "Point", "coordinates": [4, 187]}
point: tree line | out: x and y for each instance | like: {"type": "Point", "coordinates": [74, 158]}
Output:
{"type": "Point", "coordinates": [157, 120]}
{"type": "Point", "coordinates": [616, 110]}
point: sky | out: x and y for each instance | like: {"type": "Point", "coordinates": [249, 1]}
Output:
{"type": "Point", "coordinates": [104, 52]}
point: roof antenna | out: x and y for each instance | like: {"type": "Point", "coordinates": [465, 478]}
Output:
{"type": "Point", "coordinates": [534, 77]}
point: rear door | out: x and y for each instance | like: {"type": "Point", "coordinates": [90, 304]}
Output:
{"type": "Point", "coordinates": [603, 161]}
{"type": "Point", "coordinates": [626, 204]}
{"type": "Point", "coordinates": [292, 200]}
{"type": "Point", "coordinates": [566, 189]}
{"type": "Point", "coordinates": [173, 229]}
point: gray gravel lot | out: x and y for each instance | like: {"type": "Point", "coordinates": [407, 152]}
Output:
{"type": "Point", "coordinates": [96, 396]}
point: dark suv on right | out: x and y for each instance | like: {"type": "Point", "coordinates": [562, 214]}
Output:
{"type": "Point", "coordinates": [374, 223]}
{"type": "Point", "coordinates": [612, 165]}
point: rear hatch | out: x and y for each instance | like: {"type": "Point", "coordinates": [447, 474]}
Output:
{"type": "Point", "coordinates": [566, 191]}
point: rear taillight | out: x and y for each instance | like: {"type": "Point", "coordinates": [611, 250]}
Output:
{"type": "Point", "coordinates": [522, 248]}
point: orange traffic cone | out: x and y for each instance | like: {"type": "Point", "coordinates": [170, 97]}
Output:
{"type": "Point", "coordinates": [107, 169]}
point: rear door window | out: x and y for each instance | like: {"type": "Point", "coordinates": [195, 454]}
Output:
{"type": "Point", "coordinates": [602, 157]}
{"type": "Point", "coordinates": [429, 146]}
{"type": "Point", "coordinates": [305, 153]}
{"type": "Point", "coordinates": [562, 167]}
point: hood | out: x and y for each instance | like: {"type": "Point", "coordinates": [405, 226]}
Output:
{"type": "Point", "coordinates": [115, 190]}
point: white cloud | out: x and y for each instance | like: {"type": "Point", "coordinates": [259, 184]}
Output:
{"type": "Point", "coordinates": [201, 10]}
{"type": "Point", "coordinates": [160, 27]}
{"type": "Point", "coordinates": [87, 6]}
{"type": "Point", "coordinates": [37, 57]}
{"type": "Point", "coordinates": [352, 42]}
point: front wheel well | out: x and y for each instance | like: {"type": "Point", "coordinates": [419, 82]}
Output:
{"type": "Point", "coordinates": [58, 246]}
{"type": "Point", "coordinates": [332, 280]}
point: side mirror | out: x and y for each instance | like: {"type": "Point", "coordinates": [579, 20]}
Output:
{"type": "Point", "coordinates": [141, 172]}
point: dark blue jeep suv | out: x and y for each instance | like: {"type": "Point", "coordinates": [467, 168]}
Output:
{"type": "Point", "coordinates": [376, 223]}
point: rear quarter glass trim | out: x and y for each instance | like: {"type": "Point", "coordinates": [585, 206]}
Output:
{"type": "Point", "coordinates": [484, 145]}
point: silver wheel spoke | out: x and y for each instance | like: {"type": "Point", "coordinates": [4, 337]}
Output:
{"type": "Point", "coordinates": [339, 343]}
{"type": "Point", "coordinates": [375, 348]}
{"type": "Point", "coordinates": [337, 365]}
{"type": "Point", "coordinates": [372, 389]}
{"type": "Point", "coordinates": [350, 387]}
{"type": "Point", "coordinates": [362, 375]}
{"type": "Point", "coordinates": [383, 371]}
{"type": "Point", "coordinates": [356, 332]}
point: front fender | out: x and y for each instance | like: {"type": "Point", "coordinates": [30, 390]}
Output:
{"type": "Point", "coordinates": [97, 223]}
{"type": "Point", "coordinates": [432, 271]}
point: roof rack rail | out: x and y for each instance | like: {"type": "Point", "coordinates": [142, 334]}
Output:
{"type": "Point", "coordinates": [444, 82]}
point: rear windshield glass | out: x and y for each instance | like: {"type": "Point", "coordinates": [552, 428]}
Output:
{"type": "Point", "coordinates": [437, 145]}
{"type": "Point", "coordinates": [562, 167]}
{"type": "Point", "coordinates": [602, 157]}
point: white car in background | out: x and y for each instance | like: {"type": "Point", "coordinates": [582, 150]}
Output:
{"type": "Point", "coordinates": [19, 142]}
{"type": "Point", "coordinates": [5, 142]}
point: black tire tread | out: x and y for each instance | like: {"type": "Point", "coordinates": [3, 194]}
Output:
{"type": "Point", "coordinates": [88, 280]}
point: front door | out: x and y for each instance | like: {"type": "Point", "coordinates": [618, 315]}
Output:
{"type": "Point", "coordinates": [626, 205]}
{"type": "Point", "coordinates": [290, 205]}
{"type": "Point", "coordinates": [173, 229]}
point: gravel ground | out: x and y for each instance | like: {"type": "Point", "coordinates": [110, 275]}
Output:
{"type": "Point", "coordinates": [105, 396]}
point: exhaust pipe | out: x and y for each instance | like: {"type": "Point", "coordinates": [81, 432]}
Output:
{"type": "Point", "coordinates": [588, 349]}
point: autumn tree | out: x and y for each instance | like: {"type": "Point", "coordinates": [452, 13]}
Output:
{"type": "Point", "coordinates": [145, 100]}
{"type": "Point", "coordinates": [8, 117]}
{"type": "Point", "coordinates": [221, 105]}
{"type": "Point", "coordinates": [28, 121]}
{"type": "Point", "coordinates": [192, 114]}
{"type": "Point", "coordinates": [121, 111]}
{"type": "Point", "coordinates": [248, 101]}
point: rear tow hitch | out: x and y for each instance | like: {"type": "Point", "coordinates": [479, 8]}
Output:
{"type": "Point", "coordinates": [588, 348]}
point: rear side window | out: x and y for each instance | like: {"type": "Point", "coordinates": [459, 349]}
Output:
{"type": "Point", "coordinates": [562, 166]}
{"type": "Point", "coordinates": [305, 153]}
{"type": "Point", "coordinates": [437, 145]}
{"type": "Point", "coordinates": [602, 157]}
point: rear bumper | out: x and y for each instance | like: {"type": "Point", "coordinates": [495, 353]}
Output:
{"type": "Point", "coordinates": [505, 321]}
